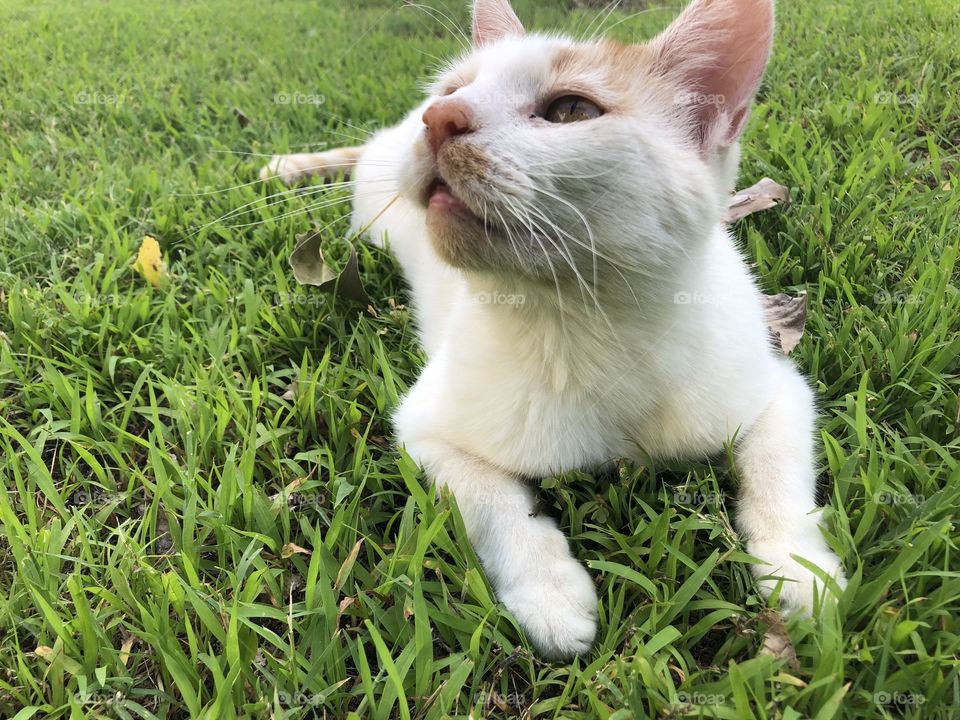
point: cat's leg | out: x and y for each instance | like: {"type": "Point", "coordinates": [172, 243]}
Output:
{"type": "Point", "coordinates": [524, 554]}
{"type": "Point", "coordinates": [777, 509]}
{"type": "Point", "coordinates": [299, 166]}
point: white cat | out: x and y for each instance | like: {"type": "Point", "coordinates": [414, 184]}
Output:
{"type": "Point", "coordinates": [556, 208]}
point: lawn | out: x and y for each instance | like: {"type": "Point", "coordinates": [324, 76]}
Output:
{"type": "Point", "coordinates": [204, 513]}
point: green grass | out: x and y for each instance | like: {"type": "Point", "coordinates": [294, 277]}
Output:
{"type": "Point", "coordinates": [146, 446]}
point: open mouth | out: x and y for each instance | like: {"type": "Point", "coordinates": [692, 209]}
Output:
{"type": "Point", "coordinates": [441, 198]}
{"type": "Point", "coordinates": [443, 205]}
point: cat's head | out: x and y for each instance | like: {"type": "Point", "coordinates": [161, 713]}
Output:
{"type": "Point", "coordinates": [542, 156]}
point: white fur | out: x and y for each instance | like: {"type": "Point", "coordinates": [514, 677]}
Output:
{"type": "Point", "coordinates": [581, 372]}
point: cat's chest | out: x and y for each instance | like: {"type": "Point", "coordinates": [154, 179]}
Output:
{"type": "Point", "coordinates": [541, 406]}
{"type": "Point", "coordinates": [538, 414]}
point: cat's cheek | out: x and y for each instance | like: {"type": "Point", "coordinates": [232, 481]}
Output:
{"type": "Point", "coordinates": [409, 155]}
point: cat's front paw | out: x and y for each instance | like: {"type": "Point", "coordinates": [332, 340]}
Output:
{"type": "Point", "coordinates": [799, 585]}
{"type": "Point", "coordinates": [557, 608]}
{"type": "Point", "coordinates": [291, 169]}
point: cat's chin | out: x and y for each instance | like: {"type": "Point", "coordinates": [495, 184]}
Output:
{"type": "Point", "coordinates": [460, 237]}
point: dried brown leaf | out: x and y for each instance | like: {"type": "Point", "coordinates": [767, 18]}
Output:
{"type": "Point", "coordinates": [762, 196]}
{"type": "Point", "coordinates": [125, 649]}
{"type": "Point", "coordinates": [776, 640]}
{"type": "Point", "coordinates": [291, 391]}
{"type": "Point", "coordinates": [291, 549]}
{"type": "Point", "coordinates": [347, 566]}
{"type": "Point", "coordinates": [786, 317]}
{"type": "Point", "coordinates": [309, 268]}
{"type": "Point", "coordinates": [342, 608]}
{"type": "Point", "coordinates": [242, 119]}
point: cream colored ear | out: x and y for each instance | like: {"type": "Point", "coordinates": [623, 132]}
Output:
{"type": "Point", "coordinates": [716, 52]}
{"type": "Point", "coordinates": [493, 20]}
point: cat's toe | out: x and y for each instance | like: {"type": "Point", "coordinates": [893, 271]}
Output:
{"type": "Point", "coordinates": [799, 584]}
{"type": "Point", "coordinates": [285, 167]}
{"type": "Point", "coordinates": [558, 614]}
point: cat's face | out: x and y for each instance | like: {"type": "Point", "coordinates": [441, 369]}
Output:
{"type": "Point", "coordinates": [549, 158]}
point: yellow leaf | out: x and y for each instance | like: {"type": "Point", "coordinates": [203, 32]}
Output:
{"type": "Point", "coordinates": [347, 566]}
{"type": "Point", "coordinates": [291, 549]}
{"type": "Point", "coordinates": [125, 649]}
{"type": "Point", "coordinates": [150, 261]}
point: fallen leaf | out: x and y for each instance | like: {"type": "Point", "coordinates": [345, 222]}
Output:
{"type": "Point", "coordinates": [762, 196]}
{"type": "Point", "coordinates": [291, 549]}
{"type": "Point", "coordinates": [291, 393]}
{"type": "Point", "coordinates": [341, 609]}
{"type": "Point", "coordinates": [149, 261]}
{"type": "Point", "coordinates": [776, 640]}
{"type": "Point", "coordinates": [290, 495]}
{"type": "Point", "coordinates": [242, 119]}
{"type": "Point", "coordinates": [493, 698]}
{"type": "Point", "coordinates": [309, 268]}
{"type": "Point", "coordinates": [786, 317]}
{"type": "Point", "coordinates": [289, 489]}
{"type": "Point", "coordinates": [55, 654]}
{"type": "Point", "coordinates": [347, 566]}
{"type": "Point", "coordinates": [125, 649]}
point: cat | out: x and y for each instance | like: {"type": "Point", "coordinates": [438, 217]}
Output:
{"type": "Point", "coordinates": [556, 208]}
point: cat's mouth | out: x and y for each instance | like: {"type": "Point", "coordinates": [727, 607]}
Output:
{"type": "Point", "coordinates": [441, 198]}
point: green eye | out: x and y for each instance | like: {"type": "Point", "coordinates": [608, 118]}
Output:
{"type": "Point", "coordinates": [572, 108]}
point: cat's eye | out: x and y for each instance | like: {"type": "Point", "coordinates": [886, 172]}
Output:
{"type": "Point", "coordinates": [572, 108]}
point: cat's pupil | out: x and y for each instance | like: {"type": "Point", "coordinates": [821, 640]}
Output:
{"type": "Point", "coordinates": [572, 108]}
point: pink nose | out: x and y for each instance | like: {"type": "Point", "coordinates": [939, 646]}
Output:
{"type": "Point", "coordinates": [446, 119]}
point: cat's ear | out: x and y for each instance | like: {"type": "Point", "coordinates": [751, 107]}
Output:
{"type": "Point", "coordinates": [715, 54]}
{"type": "Point", "coordinates": [493, 20]}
